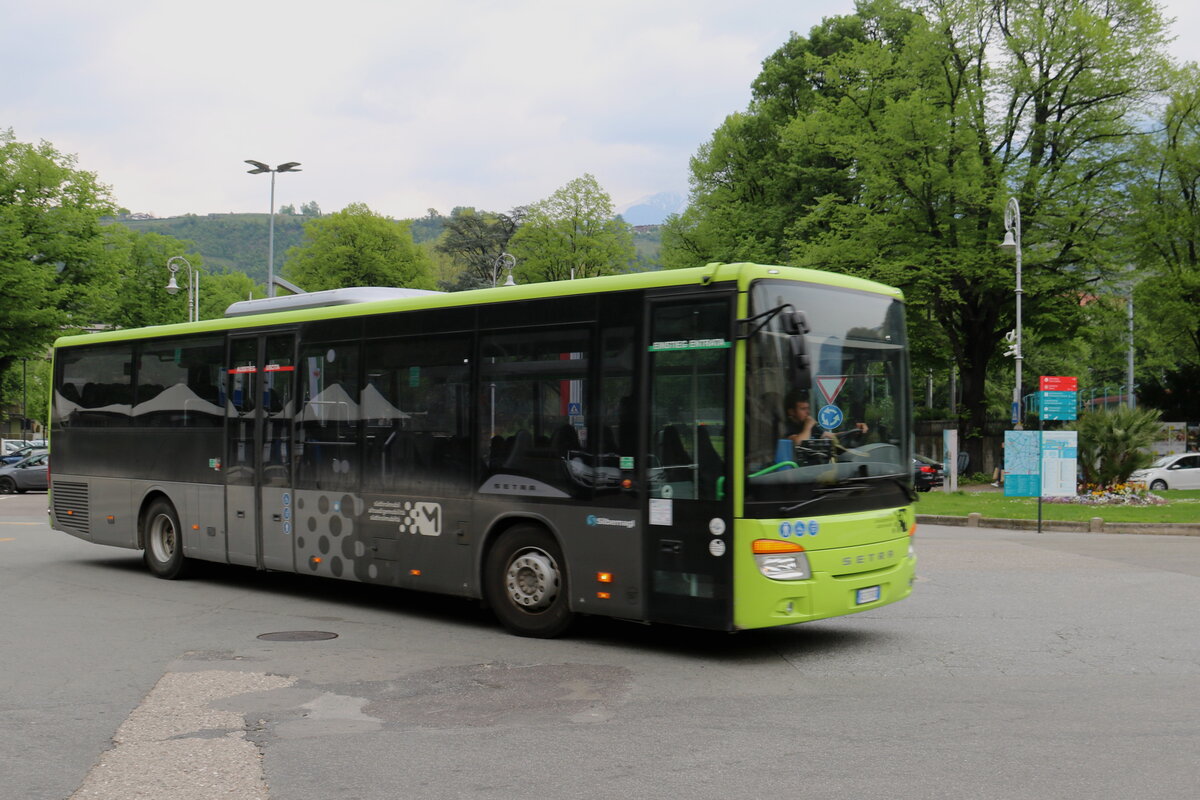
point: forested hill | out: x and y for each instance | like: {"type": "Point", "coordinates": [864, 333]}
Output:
{"type": "Point", "coordinates": [239, 241]}
{"type": "Point", "coordinates": [229, 241]}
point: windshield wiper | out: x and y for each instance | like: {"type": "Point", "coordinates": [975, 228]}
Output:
{"type": "Point", "coordinates": [828, 491]}
{"type": "Point", "coordinates": [862, 481]}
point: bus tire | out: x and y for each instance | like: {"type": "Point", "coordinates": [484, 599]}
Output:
{"type": "Point", "coordinates": [163, 539]}
{"type": "Point", "coordinates": [525, 582]}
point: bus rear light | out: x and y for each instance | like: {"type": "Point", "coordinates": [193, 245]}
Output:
{"type": "Point", "coordinates": [912, 530]}
{"type": "Point", "coordinates": [315, 559]}
{"type": "Point", "coordinates": [604, 595]}
{"type": "Point", "coordinates": [781, 561]}
{"type": "Point", "coordinates": [194, 527]}
{"type": "Point", "coordinates": [604, 577]}
{"type": "Point", "coordinates": [416, 573]}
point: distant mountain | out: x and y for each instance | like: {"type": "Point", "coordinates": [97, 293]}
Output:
{"type": "Point", "coordinates": [655, 209]}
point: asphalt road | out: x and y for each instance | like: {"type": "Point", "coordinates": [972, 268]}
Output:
{"type": "Point", "coordinates": [1023, 666]}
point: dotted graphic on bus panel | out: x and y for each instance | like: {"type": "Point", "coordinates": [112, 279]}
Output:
{"type": "Point", "coordinates": [329, 541]}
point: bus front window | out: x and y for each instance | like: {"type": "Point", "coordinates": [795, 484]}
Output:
{"type": "Point", "coordinates": [840, 433]}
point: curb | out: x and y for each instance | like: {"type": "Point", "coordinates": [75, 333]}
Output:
{"type": "Point", "coordinates": [1094, 525]}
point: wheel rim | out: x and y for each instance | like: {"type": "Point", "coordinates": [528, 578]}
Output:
{"type": "Point", "coordinates": [1158, 485]}
{"type": "Point", "coordinates": [532, 580]}
{"type": "Point", "coordinates": [162, 538]}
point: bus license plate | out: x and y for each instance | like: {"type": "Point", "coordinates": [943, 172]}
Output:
{"type": "Point", "coordinates": [867, 595]}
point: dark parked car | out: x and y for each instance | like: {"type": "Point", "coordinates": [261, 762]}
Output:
{"type": "Point", "coordinates": [927, 473]}
{"type": "Point", "coordinates": [25, 475]}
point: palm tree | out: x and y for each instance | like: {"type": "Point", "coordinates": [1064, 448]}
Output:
{"type": "Point", "coordinates": [1112, 444]}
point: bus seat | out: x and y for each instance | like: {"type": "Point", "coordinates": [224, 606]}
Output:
{"type": "Point", "coordinates": [671, 451]}
{"type": "Point", "coordinates": [564, 440]}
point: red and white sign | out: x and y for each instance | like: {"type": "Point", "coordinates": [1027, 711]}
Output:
{"type": "Point", "coordinates": [1059, 383]}
{"type": "Point", "coordinates": [830, 386]}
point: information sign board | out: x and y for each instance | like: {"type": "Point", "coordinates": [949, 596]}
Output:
{"type": "Point", "coordinates": [1058, 404]}
{"type": "Point", "coordinates": [1058, 383]}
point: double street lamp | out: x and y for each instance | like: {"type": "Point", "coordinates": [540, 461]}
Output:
{"type": "Point", "coordinates": [260, 167]}
{"type": "Point", "coordinates": [193, 285]}
{"type": "Point", "coordinates": [1012, 244]}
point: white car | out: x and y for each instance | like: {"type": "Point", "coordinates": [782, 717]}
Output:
{"type": "Point", "coordinates": [1180, 471]}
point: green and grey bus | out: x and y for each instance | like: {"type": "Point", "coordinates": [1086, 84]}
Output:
{"type": "Point", "coordinates": [614, 446]}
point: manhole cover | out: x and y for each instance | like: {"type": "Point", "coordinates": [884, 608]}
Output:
{"type": "Point", "coordinates": [297, 636]}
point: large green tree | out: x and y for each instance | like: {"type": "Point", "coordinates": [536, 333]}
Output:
{"type": "Point", "coordinates": [1166, 232]}
{"type": "Point", "coordinates": [357, 247]}
{"type": "Point", "coordinates": [574, 233]}
{"type": "Point", "coordinates": [909, 125]}
{"type": "Point", "coordinates": [139, 263]}
{"type": "Point", "coordinates": [475, 240]}
{"type": "Point", "coordinates": [53, 274]}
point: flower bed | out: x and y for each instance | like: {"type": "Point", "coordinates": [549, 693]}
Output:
{"type": "Point", "coordinates": [1123, 494]}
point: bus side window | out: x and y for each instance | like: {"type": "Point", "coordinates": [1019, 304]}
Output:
{"type": "Point", "coordinates": [415, 411]}
{"type": "Point", "coordinates": [329, 416]}
{"type": "Point", "coordinates": [533, 412]}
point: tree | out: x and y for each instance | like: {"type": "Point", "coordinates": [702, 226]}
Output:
{"type": "Point", "coordinates": [916, 121]}
{"type": "Point", "coordinates": [357, 247]}
{"type": "Point", "coordinates": [1165, 226]}
{"type": "Point", "coordinates": [139, 263]}
{"type": "Point", "coordinates": [474, 240]}
{"type": "Point", "coordinates": [219, 290]}
{"type": "Point", "coordinates": [52, 271]}
{"type": "Point", "coordinates": [310, 209]}
{"type": "Point", "coordinates": [574, 233]}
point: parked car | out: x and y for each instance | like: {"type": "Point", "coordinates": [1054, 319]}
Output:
{"type": "Point", "coordinates": [1180, 471]}
{"type": "Point", "coordinates": [927, 473]}
{"type": "Point", "coordinates": [32, 473]}
{"type": "Point", "coordinates": [21, 453]}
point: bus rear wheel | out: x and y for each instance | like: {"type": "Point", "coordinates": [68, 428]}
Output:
{"type": "Point", "coordinates": [163, 538]}
{"type": "Point", "coordinates": [525, 582]}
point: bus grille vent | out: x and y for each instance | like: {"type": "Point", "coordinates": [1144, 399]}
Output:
{"type": "Point", "coordinates": [71, 506]}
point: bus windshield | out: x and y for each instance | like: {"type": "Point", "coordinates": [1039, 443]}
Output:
{"type": "Point", "coordinates": [836, 434]}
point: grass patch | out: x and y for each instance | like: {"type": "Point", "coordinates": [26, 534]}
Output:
{"type": "Point", "coordinates": [1182, 506]}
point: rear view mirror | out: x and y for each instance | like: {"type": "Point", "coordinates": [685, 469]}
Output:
{"type": "Point", "coordinates": [795, 322]}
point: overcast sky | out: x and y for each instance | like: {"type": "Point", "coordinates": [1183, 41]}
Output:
{"type": "Point", "coordinates": [402, 105]}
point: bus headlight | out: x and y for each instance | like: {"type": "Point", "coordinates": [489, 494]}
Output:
{"type": "Point", "coordinates": [781, 561]}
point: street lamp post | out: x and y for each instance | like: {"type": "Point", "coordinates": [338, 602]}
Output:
{"type": "Point", "coordinates": [504, 261]}
{"type": "Point", "coordinates": [258, 168]}
{"type": "Point", "coordinates": [193, 285]}
{"type": "Point", "coordinates": [1012, 244]}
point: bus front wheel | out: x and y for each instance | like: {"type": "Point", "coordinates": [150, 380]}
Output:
{"type": "Point", "coordinates": [525, 582]}
{"type": "Point", "coordinates": [163, 538]}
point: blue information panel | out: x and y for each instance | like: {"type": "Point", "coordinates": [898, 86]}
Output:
{"type": "Point", "coordinates": [1022, 464]}
{"type": "Point", "coordinates": [1058, 405]}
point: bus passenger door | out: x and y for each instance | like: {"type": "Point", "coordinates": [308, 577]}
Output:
{"type": "Point", "coordinates": [260, 385]}
{"type": "Point", "coordinates": [689, 514]}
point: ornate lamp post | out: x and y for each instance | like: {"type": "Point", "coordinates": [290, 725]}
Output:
{"type": "Point", "coordinates": [504, 261]}
{"type": "Point", "coordinates": [193, 285]}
